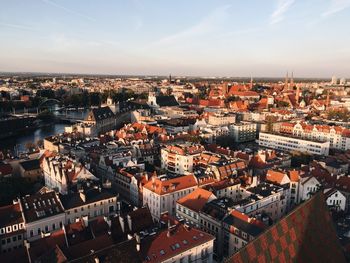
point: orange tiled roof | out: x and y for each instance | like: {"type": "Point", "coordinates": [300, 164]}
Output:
{"type": "Point", "coordinates": [172, 185]}
{"type": "Point", "coordinates": [195, 200]}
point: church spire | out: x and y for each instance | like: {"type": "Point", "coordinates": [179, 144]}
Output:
{"type": "Point", "coordinates": [292, 81]}
{"type": "Point", "coordinates": [286, 82]}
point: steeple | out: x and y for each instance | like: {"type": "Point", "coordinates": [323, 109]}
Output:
{"type": "Point", "coordinates": [251, 81]}
{"type": "Point", "coordinates": [297, 96]}
{"type": "Point", "coordinates": [170, 78]}
{"type": "Point", "coordinates": [286, 82]}
{"type": "Point", "coordinates": [292, 81]}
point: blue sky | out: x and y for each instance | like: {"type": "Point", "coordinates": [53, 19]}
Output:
{"type": "Point", "coordinates": [199, 37]}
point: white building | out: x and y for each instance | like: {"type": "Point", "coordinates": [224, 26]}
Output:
{"type": "Point", "coordinates": [161, 196]}
{"type": "Point", "coordinates": [61, 172]}
{"type": "Point", "coordinates": [307, 186]}
{"type": "Point", "coordinates": [43, 213]}
{"type": "Point", "coordinates": [221, 119]}
{"type": "Point", "coordinates": [179, 158]}
{"type": "Point", "coordinates": [189, 206]}
{"type": "Point", "coordinates": [289, 143]}
{"type": "Point", "coordinates": [335, 199]}
{"type": "Point", "coordinates": [90, 203]}
{"type": "Point", "coordinates": [265, 198]}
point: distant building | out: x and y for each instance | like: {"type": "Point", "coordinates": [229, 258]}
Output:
{"type": "Point", "coordinates": [157, 101]}
{"type": "Point", "coordinates": [288, 143]}
{"type": "Point", "coordinates": [243, 131]}
{"type": "Point", "coordinates": [103, 118]}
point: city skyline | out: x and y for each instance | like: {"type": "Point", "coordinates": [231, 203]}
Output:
{"type": "Point", "coordinates": [226, 38]}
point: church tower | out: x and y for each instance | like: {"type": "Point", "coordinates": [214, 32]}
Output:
{"type": "Point", "coordinates": [286, 82]}
{"type": "Point", "coordinates": [297, 96]}
{"type": "Point", "coordinates": [292, 81]}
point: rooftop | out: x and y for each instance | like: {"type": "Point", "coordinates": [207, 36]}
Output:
{"type": "Point", "coordinates": [41, 205]}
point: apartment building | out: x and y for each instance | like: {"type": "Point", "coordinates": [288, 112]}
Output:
{"type": "Point", "coordinates": [189, 206]}
{"type": "Point", "coordinates": [221, 119]}
{"type": "Point", "coordinates": [239, 229]}
{"type": "Point", "coordinates": [89, 203]}
{"type": "Point", "coordinates": [290, 143]}
{"type": "Point", "coordinates": [161, 195]}
{"type": "Point", "coordinates": [243, 131]}
{"type": "Point", "coordinates": [337, 136]}
{"type": "Point", "coordinates": [43, 214]}
{"type": "Point", "coordinates": [179, 158]}
{"type": "Point", "coordinates": [265, 199]}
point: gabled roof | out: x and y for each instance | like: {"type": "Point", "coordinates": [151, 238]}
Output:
{"type": "Point", "coordinates": [275, 176]}
{"type": "Point", "coordinates": [305, 235]}
{"type": "Point", "coordinates": [99, 114]}
{"type": "Point", "coordinates": [163, 101]}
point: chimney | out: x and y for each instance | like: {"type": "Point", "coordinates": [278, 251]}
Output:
{"type": "Point", "coordinates": [82, 195]}
{"type": "Point", "coordinates": [138, 242]}
{"type": "Point", "coordinates": [129, 222]}
{"type": "Point", "coordinates": [122, 223]}
{"type": "Point", "coordinates": [85, 220]}
{"type": "Point", "coordinates": [169, 229]}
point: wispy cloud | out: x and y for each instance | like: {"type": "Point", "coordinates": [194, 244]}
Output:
{"type": "Point", "coordinates": [336, 6]}
{"type": "Point", "coordinates": [63, 43]}
{"type": "Point", "coordinates": [68, 10]}
{"type": "Point", "coordinates": [206, 25]}
{"type": "Point", "coordinates": [282, 7]}
{"type": "Point", "coordinates": [17, 26]}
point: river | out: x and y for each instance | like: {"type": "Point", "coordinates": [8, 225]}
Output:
{"type": "Point", "coordinates": [17, 143]}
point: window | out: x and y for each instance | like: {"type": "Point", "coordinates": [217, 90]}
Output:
{"type": "Point", "coordinates": [19, 237]}
{"type": "Point", "coordinates": [31, 233]}
{"type": "Point", "coordinates": [3, 241]}
{"type": "Point", "coordinates": [14, 239]}
{"type": "Point", "coordinates": [39, 230]}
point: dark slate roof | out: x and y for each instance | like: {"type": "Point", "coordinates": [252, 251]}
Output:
{"type": "Point", "coordinates": [30, 164]}
{"type": "Point", "coordinates": [40, 205]}
{"type": "Point", "coordinates": [92, 195]}
{"type": "Point", "coordinates": [305, 235]}
{"type": "Point", "coordinates": [10, 215]}
{"type": "Point", "coordinates": [99, 114]}
{"type": "Point", "coordinates": [164, 101]}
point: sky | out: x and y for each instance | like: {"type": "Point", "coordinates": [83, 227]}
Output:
{"type": "Point", "coordinates": [238, 38]}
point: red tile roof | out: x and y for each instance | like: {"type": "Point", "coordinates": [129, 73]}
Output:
{"type": "Point", "coordinates": [163, 247]}
{"type": "Point", "coordinates": [196, 200]}
{"type": "Point", "coordinates": [172, 185]}
{"type": "Point", "coordinates": [305, 235]}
